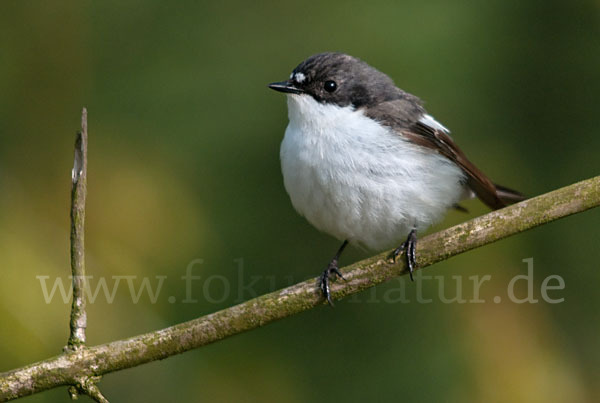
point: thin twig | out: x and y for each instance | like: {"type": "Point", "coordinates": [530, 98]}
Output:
{"type": "Point", "coordinates": [92, 391]}
{"type": "Point", "coordinates": [86, 384]}
{"type": "Point", "coordinates": [66, 368]}
{"type": "Point", "coordinates": [78, 193]}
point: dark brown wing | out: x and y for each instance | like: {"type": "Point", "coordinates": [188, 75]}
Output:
{"type": "Point", "coordinates": [440, 141]}
{"type": "Point", "coordinates": [406, 116]}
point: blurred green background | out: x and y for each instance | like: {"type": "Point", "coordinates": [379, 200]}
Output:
{"type": "Point", "coordinates": [184, 165]}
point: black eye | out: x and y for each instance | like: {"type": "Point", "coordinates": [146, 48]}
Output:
{"type": "Point", "coordinates": [330, 86]}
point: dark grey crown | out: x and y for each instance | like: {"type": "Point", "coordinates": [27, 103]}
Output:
{"type": "Point", "coordinates": [344, 80]}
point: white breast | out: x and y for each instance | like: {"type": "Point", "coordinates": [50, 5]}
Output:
{"type": "Point", "coordinates": [357, 180]}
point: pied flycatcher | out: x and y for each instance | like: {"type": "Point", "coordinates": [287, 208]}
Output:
{"type": "Point", "coordinates": [364, 162]}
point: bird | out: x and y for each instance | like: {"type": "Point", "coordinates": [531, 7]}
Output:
{"type": "Point", "coordinates": [363, 161]}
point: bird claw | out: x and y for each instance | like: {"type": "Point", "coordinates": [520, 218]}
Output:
{"type": "Point", "coordinates": [332, 269]}
{"type": "Point", "coordinates": [410, 247]}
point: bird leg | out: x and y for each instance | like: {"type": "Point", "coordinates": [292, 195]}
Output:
{"type": "Point", "coordinates": [332, 269]}
{"type": "Point", "coordinates": [410, 246]}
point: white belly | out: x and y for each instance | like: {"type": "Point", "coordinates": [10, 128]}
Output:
{"type": "Point", "coordinates": [356, 180]}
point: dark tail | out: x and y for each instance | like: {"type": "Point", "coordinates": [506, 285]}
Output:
{"type": "Point", "coordinates": [508, 196]}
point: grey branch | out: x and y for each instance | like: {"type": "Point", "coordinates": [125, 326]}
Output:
{"type": "Point", "coordinates": [78, 193]}
{"type": "Point", "coordinates": [67, 368]}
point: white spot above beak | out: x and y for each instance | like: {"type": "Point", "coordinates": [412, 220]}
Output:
{"type": "Point", "coordinates": [299, 77]}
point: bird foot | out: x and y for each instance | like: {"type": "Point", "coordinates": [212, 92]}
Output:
{"type": "Point", "coordinates": [410, 247]}
{"type": "Point", "coordinates": [331, 270]}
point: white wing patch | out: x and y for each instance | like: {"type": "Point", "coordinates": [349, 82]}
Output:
{"type": "Point", "coordinates": [428, 120]}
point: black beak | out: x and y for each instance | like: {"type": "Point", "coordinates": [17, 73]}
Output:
{"type": "Point", "coordinates": [285, 86]}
